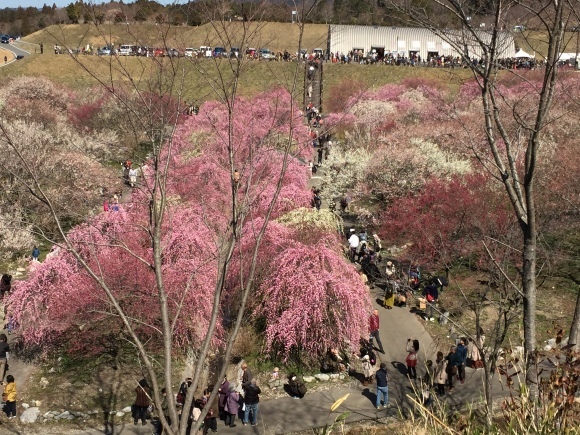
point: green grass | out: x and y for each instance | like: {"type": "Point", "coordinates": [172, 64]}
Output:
{"type": "Point", "coordinates": [537, 42]}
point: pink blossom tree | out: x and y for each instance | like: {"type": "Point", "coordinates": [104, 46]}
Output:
{"type": "Point", "coordinates": [209, 181]}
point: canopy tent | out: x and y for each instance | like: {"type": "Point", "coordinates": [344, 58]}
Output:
{"type": "Point", "coordinates": [522, 54]}
{"type": "Point", "coordinates": [568, 56]}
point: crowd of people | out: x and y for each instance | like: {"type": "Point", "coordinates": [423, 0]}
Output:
{"type": "Point", "coordinates": [240, 398]}
{"type": "Point", "coordinates": [414, 59]}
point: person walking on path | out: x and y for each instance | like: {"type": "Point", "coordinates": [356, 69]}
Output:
{"type": "Point", "coordinates": [232, 406]}
{"type": "Point", "coordinates": [4, 354]}
{"type": "Point", "coordinates": [35, 253]}
{"type": "Point", "coordinates": [141, 402]}
{"type": "Point", "coordinates": [461, 360]}
{"type": "Point", "coordinates": [382, 377]}
{"type": "Point", "coordinates": [440, 374]}
{"type": "Point", "coordinates": [9, 396]}
{"type": "Point", "coordinates": [374, 323]}
{"type": "Point", "coordinates": [251, 400]}
{"type": "Point", "coordinates": [412, 356]}
{"type": "Point", "coordinates": [431, 294]}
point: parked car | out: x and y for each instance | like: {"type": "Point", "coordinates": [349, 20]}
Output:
{"type": "Point", "coordinates": [105, 51]}
{"type": "Point", "coordinates": [251, 52]}
{"type": "Point", "coordinates": [158, 52]}
{"type": "Point", "coordinates": [126, 50]}
{"type": "Point", "coordinates": [266, 54]}
{"type": "Point", "coordinates": [172, 52]}
{"type": "Point", "coordinates": [205, 51]}
{"type": "Point", "coordinates": [190, 52]}
{"type": "Point", "coordinates": [4, 39]}
{"type": "Point", "coordinates": [219, 52]}
{"type": "Point", "coordinates": [318, 52]}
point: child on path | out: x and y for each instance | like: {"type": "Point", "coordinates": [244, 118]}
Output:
{"type": "Point", "coordinates": [9, 396]}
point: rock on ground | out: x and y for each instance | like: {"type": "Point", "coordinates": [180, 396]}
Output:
{"type": "Point", "coordinates": [30, 415]}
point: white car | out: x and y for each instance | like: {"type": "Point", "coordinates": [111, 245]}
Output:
{"type": "Point", "coordinates": [205, 50]}
{"type": "Point", "coordinates": [318, 52]}
{"type": "Point", "coordinates": [126, 50]}
{"type": "Point", "coordinates": [266, 54]}
{"type": "Point", "coordinates": [190, 52]}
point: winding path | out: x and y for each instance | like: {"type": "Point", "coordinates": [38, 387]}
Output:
{"type": "Point", "coordinates": [14, 50]}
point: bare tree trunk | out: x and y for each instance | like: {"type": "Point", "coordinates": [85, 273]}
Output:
{"type": "Point", "coordinates": [574, 337]}
{"type": "Point", "coordinates": [529, 288]}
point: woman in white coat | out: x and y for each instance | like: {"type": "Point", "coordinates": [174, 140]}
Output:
{"type": "Point", "coordinates": [440, 374]}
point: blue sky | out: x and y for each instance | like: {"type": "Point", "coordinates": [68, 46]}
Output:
{"type": "Point", "coordinates": [59, 3]}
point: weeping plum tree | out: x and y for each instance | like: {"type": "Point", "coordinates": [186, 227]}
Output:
{"type": "Point", "coordinates": [207, 181]}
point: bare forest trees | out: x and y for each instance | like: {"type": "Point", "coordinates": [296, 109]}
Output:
{"type": "Point", "coordinates": [512, 133]}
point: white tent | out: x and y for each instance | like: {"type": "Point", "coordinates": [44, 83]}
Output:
{"type": "Point", "coordinates": [522, 54]}
{"type": "Point", "coordinates": [568, 56]}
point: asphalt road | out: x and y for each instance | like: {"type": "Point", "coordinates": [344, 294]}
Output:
{"type": "Point", "coordinates": [17, 52]}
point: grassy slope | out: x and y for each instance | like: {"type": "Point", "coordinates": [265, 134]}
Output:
{"type": "Point", "coordinates": [9, 55]}
{"type": "Point", "coordinates": [534, 41]}
{"type": "Point", "coordinates": [276, 36]}
{"type": "Point", "coordinates": [256, 77]}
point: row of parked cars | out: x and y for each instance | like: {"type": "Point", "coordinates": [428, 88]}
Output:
{"type": "Point", "coordinates": [5, 39]}
{"type": "Point", "coordinates": [203, 52]}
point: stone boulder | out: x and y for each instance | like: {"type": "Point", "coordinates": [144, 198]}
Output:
{"type": "Point", "coordinates": [322, 377]}
{"type": "Point", "coordinates": [30, 415]}
{"type": "Point", "coordinates": [309, 379]}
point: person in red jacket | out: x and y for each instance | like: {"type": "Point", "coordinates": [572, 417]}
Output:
{"type": "Point", "coordinates": [374, 330]}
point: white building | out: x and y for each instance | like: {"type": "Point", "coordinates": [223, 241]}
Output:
{"type": "Point", "coordinates": [408, 41]}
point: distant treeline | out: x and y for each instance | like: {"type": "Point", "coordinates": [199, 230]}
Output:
{"type": "Point", "coordinates": [23, 21]}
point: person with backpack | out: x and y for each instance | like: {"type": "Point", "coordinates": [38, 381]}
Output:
{"type": "Point", "coordinates": [382, 378]}
{"type": "Point", "coordinates": [296, 386]}
{"type": "Point", "coordinates": [412, 356]}
{"type": "Point", "coordinates": [431, 295]}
